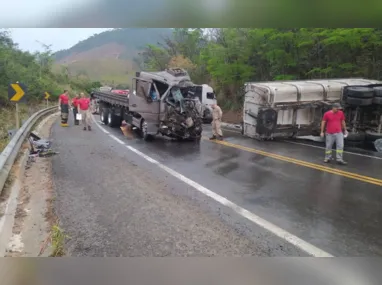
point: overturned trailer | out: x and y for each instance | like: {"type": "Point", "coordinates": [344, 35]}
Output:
{"type": "Point", "coordinates": [289, 109]}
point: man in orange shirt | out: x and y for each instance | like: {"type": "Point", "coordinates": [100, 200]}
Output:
{"type": "Point", "coordinates": [84, 110]}
{"type": "Point", "coordinates": [75, 108]}
{"type": "Point", "coordinates": [63, 106]}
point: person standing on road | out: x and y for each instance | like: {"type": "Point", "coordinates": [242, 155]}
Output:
{"type": "Point", "coordinates": [334, 121]}
{"type": "Point", "coordinates": [216, 122]}
{"type": "Point", "coordinates": [75, 108]}
{"type": "Point", "coordinates": [84, 110]}
{"type": "Point", "coordinates": [63, 106]}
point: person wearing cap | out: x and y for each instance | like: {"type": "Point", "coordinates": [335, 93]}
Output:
{"type": "Point", "coordinates": [334, 121]}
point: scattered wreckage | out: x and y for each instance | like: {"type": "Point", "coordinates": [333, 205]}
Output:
{"type": "Point", "coordinates": [39, 147]}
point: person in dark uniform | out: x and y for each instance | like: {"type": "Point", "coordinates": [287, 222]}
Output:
{"type": "Point", "coordinates": [63, 105]}
{"type": "Point", "coordinates": [75, 109]}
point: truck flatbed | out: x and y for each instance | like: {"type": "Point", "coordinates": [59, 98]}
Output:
{"type": "Point", "coordinates": [112, 98]}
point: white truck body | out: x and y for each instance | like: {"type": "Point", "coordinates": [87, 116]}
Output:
{"type": "Point", "coordinates": [290, 108]}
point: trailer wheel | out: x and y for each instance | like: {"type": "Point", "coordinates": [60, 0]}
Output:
{"type": "Point", "coordinates": [359, 102]}
{"type": "Point", "coordinates": [377, 100]}
{"type": "Point", "coordinates": [360, 92]}
{"type": "Point", "coordinates": [104, 115]}
{"type": "Point", "coordinates": [377, 91]}
{"type": "Point", "coordinates": [113, 120]}
{"type": "Point", "coordinates": [373, 136]}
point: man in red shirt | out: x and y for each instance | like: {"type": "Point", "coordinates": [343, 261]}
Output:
{"type": "Point", "coordinates": [63, 105]}
{"type": "Point", "coordinates": [75, 108]}
{"type": "Point", "coordinates": [84, 110]}
{"type": "Point", "coordinates": [334, 120]}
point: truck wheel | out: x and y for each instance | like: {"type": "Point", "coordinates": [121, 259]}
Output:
{"type": "Point", "coordinates": [113, 120]}
{"type": "Point", "coordinates": [378, 91]}
{"type": "Point", "coordinates": [144, 133]}
{"type": "Point", "coordinates": [360, 92]}
{"type": "Point", "coordinates": [373, 136]}
{"type": "Point", "coordinates": [104, 115]}
{"type": "Point", "coordinates": [377, 100]}
{"type": "Point", "coordinates": [359, 102]}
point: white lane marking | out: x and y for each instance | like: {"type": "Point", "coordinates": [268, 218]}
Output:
{"type": "Point", "coordinates": [117, 139]}
{"type": "Point", "coordinates": [320, 147]}
{"type": "Point", "coordinates": [292, 239]}
{"type": "Point", "coordinates": [102, 129]}
{"type": "Point", "coordinates": [148, 158]}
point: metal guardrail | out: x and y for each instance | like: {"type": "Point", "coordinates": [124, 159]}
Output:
{"type": "Point", "coordinates": [9, 154]}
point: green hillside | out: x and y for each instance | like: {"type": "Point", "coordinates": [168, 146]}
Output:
{"type": "Point", "coordinates": [111, 56]}
{"type": "Point", "coordinates": [131, 38]}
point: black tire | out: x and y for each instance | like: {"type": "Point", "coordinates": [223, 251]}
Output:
{"type": "Point", "coordinates": [104, 115]}
{"type": "Point", "coordinates": [144, 134]}
{"type": "Point", "coordinates": [113, 120]}
{"type": "Point", "coordinates": [360, 92]}
{"type": "Point", "coordinates": [377, 100]}
{"type": "Point", "coordinates": [373, 136]}
{"type": "Point", "coordinates": [356, 137]}
{"type": "Point", "coordinates": [378, 91]}
{"type": "Point", "coordinates": [359, 102]}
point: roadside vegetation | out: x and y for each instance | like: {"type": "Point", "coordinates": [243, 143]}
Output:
{"type": "Point", "coordinates": [35, 71]}
{"type": "Point", "coordinates": [226, 58]}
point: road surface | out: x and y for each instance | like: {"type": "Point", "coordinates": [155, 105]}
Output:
{"type": "Point", "coordinates": [121, 196]}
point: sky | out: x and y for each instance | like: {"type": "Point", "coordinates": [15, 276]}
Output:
{"type": "Point", "coordinates": [32, 39]}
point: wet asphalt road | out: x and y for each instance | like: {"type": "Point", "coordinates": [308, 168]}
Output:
{"type": "Point", "coordinates": [111, 202]}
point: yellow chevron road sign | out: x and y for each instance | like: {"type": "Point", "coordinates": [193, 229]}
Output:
{"type": "Point", "coordinates": [16, 92]}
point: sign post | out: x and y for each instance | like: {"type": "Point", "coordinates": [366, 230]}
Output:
{"type": "Point", "coordinates": [16, 92]}
{"type": "Point", "coordinates": [47, 95]}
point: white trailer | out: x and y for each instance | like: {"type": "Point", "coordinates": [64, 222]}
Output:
{"type": "Point", "coordinates": [291, 108]}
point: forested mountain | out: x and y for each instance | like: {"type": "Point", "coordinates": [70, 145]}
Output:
{"type": "Point", "coordinates": [132, 39]}
{"type": "Point", "coordinates": [110, 56]}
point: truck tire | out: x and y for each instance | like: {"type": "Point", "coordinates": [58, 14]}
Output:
{"type": "Point", "coordinates": [359, 102]}
{"type": "Point", "coordinates": [378, 91]}
{"type": "Point", "coordinates": [144, 133]}
{"type": "Point", "coordinates": [373, 136]}
{"type": "Point", "coordinates": [104, 115]}
{"type": "Point", "coordinates": [377, 100]}
{"type": "Point", "coordinates": [113, 120]}
{"type": "Point", "coordinates": [360, 92]}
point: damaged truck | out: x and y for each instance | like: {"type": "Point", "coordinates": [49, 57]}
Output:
{"type": "Point", "coordinates": [290, 109]}
{"type": "Point", "coordinates": [163, 103]}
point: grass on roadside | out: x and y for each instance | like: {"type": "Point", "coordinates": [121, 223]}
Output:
{"type": "Point", "coordinates": [58, 241]}
{"type": "Point", "coordinates": [8, 119]}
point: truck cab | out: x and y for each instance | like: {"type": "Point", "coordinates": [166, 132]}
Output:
{"type": "Point", "coordinates": [165, 102]}
{"type": "Point", "coordinates": [207, 97]}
